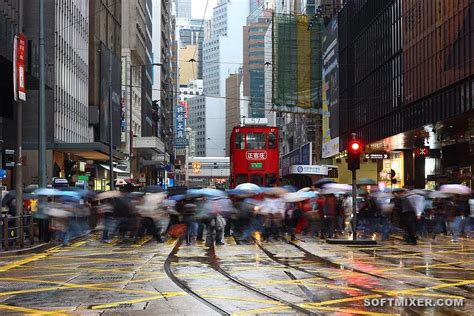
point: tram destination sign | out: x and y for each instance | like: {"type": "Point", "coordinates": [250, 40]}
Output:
{"type": "Point", "coordinates": [256, 165]}
{"type": "Point", "coordinates": [376, 156]}
{"type": "Point", "coordinates": [256, 155]}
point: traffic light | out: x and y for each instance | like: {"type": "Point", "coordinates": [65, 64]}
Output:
{"type": "Point", "coordinates": [353, 154]}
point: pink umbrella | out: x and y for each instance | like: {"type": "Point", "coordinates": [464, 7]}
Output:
{"type": "Point", "coordinates": [455, 189]}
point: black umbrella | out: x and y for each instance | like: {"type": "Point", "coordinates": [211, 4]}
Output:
{"type": "Point", "coordinates": [319, 183]}
{"type": "Point", "coordinates": [154, 189]}
{"type": "Point", "coordinates": [11, 195]}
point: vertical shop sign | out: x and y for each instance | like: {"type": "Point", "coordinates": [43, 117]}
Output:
{"type": "Point", "coordinates": [19, 80]}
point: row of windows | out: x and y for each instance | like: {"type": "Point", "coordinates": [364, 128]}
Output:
{"type": "Point", "coordinates": [256, 37]}
{"type": "Point", "coordinates": [257, 45]}
{"type": "Point", "coordinates": [258, 29]}
{"type": "Point", "coordinates": [255, 141]}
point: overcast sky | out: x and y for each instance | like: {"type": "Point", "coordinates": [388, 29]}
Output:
{"type": "Point", "coordinates": [198, 8]}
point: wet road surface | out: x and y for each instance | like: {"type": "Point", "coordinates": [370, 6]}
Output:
{"type": "Point", "coordinates": [303, 277]}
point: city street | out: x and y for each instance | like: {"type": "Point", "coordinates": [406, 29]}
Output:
{"type": "Point", "coordinates": [304, 277]}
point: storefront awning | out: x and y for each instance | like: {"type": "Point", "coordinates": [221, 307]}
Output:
{"type": "Point", "coordinates": [150, 144]}
{"type": "Point", "coordinates": [106, 167]}
{"type": "Point", "coordinates": [90, 151]}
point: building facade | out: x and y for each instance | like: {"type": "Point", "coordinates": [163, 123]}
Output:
{"type": "Point", "coordinates": [414, 96]}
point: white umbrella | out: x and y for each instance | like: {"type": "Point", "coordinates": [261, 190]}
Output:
{"type": "Point", "coordinates": [306, 189]}
{"type": "Point", "coordinates": [455, 189]}
{"type": "Point", "coordinates": [438, 195]}
{"type": "Point", "coordinates": [108, 195]}
{"type": "Point", "coordinates": [249, 187]}
{"type": "Point", "coordinates": [338, 187]}
{"type": "Point", "coordinates": [298, 196]}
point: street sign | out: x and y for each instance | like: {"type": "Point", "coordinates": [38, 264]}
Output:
{"type": "Point", "coordinates": [376, 156]}
{"type": "Point", "coordinates": [3, 174]}
{"type": "Point", "coordinates": [256, 165]}
{"type": "Point", "coordinates": [422, 151]}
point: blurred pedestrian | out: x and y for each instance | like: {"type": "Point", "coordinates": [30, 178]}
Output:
{"type": "Point", "coordinates": [413, 205]}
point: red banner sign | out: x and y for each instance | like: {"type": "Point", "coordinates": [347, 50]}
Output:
{"type": "Point", "coordinates": [19, 79]}
{"type": "Point", "coordinates": [256, 155]}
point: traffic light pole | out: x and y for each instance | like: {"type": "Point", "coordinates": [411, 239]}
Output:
{"type": "Point", "coordinates": [354, 204]}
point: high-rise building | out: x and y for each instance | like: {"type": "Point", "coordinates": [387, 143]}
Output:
{"type": "Point", "coordinates": [237, 105]}
{"type": "Point", "coordinates": [183, 9]}
{"type": "Point", "coordinates": [164, 93]}
{"type": "Point", "coordinates": [222, 52]}
{"type": "Point", "coordinates": [222, 55]}
{"type": "Point", "coordinates": [66, 30]}
{"type": "Point", "coordinates": [255, 62]}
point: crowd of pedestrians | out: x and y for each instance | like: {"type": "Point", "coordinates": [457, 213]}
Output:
{"type": "Point", "coordinates": [252, 212]}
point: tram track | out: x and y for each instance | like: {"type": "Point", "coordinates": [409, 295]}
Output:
{"type": "Point", "coordinates": [312, 257]}
{"type": "Point", "coordinates": [338, 266]}
{"type": "Point", "coordinates": [213, 262]}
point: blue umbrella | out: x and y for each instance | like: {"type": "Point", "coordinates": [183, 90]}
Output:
{"type": "Point", "coordinates": [47, 192]}
{"type": "Point", "coordinates": [289, 188]}
{"type": "Point", "coordinates": [177, 197]}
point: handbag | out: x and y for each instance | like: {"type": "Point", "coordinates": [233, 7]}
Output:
{"type": "Point", "coordinates": [177, 230]}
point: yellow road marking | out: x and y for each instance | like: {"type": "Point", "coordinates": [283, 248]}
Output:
{"type": "Point", "coordinates": [262, 310]}
{"type": "Point", "coordinates": [351, 311]}
{"type": "Point", "coordinates": [426, 266]}
{"type": "Point", "coordinates": [30, 311]}
{"type": "Point", "coordinates": [434, 287]}
{"type": "Point", "coordinates": [342, 300]}
{"type": "Point", "coordinates": [142, 241]}
{"type": "Point", "coordinates": [137, 300]}
{"type": "Point", "coordinates": [243, 299]}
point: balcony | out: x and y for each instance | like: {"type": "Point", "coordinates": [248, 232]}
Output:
{"type": "Point", "coordinates": [150, 145]}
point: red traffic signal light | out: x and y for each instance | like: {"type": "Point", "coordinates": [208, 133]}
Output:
{"type": "Point", "coordinates": [354, 147]}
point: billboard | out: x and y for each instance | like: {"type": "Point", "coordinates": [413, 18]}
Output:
{"type": "Point", "coordinates": [330, 93]}
{"type": "Point", "coordinates": [180, 139]}
{"type": "Point", "coordinates": [106, 58]}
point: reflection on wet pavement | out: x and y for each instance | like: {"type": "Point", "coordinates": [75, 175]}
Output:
{"type": "Point", "coordinates": [308, 276]}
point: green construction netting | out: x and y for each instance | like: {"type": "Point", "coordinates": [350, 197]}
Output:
{"type": "Point", "coordinates": [296, 63]}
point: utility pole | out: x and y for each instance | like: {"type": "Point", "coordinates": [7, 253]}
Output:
{"type": "Point", "coordinates": [42, 106]}
{"type": "Point", "coordinates": [131, 119]}
{"type": "Point", "coordinates": [19, 141]}
{"type": "Point", "coordinates": [111, 129]}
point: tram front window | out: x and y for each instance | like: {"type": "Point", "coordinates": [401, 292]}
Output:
{"type": "Point", "coordinates": [256, 178]}
{"type": "Point", "coordinates": [256, 140]}
{"type": "Point", "coordinates": [270, 179]}
{"type": "Point", "coordinates": [241, 178]}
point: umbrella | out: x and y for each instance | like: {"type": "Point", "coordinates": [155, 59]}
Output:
{"type": "Point", "coordinates": [366, 181]}
{"type": "Point", "coordinates": [46, 192]}
{"type": "Point", "coordinates": [177, 197]}
{"type": "Point", "coordinates": [249, 187]}
{"type": "Point", "coordinates": [455, 189]}
{"type": "Point", "coordinates": [275, 191]}
{"type": "Point", "coordinates": [120, 182]}
{"type": "Point", "coordinates": [208, 192]}
{"type": "Point", "coordinates": [154, 189]}
{"type": "Point", "coordinates": [108, 195]}
{"type": "Point", "coordinates": [289, 188]}
{"type": "Point", "coordinates": [71, 194]}
{"type": "Point", "coordinates": [438, 195]}
{"type": "Point", "coordinates": [30, 188]}
{"type": "Point", "coordinates": [57, 212]}
{"type": "Point", "coordinates": [306, 189]}
{"type": "Point", "coordinates": [238, 192]}
{"type": "Point", "coordinates": [319, 183]}
{"type": "Point", "coordinates": [293, 197]}
{"type": "Point", "coordinates": [338, 187]}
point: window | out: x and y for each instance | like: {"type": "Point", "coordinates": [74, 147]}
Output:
{"type": "Point", "coordinates": [241, 178]}
{"type": "Point", "coordinates": [239, 141]}
{"type": "Point", "coordinates": [256, 178]}
{"type": "Point", "coordinates": [270, 179]}
{"type": "Point", "coordinates": [256, 141]}
{"type": "Point", "coordinates": [272, 141]}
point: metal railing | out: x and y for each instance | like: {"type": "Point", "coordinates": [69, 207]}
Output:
{"type": "Point", "coordinates": [11, 234]}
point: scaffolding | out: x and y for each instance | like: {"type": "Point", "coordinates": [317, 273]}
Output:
{"type": "Point", "coordinates": [297, 62]}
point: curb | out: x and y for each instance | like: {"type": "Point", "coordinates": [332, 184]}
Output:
{"type": "Point", "coordinates": [34, 249]}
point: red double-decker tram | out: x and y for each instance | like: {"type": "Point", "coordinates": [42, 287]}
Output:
{"type": "Point", "coordinates": [254, 156]}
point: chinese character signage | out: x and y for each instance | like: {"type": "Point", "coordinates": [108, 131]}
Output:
{"type": "Point", "coordinates": [256, 155]}
{"type": "Point", "coordinates": [180, 127]}
{"type": "Point", "coordinates": [19, 80]}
